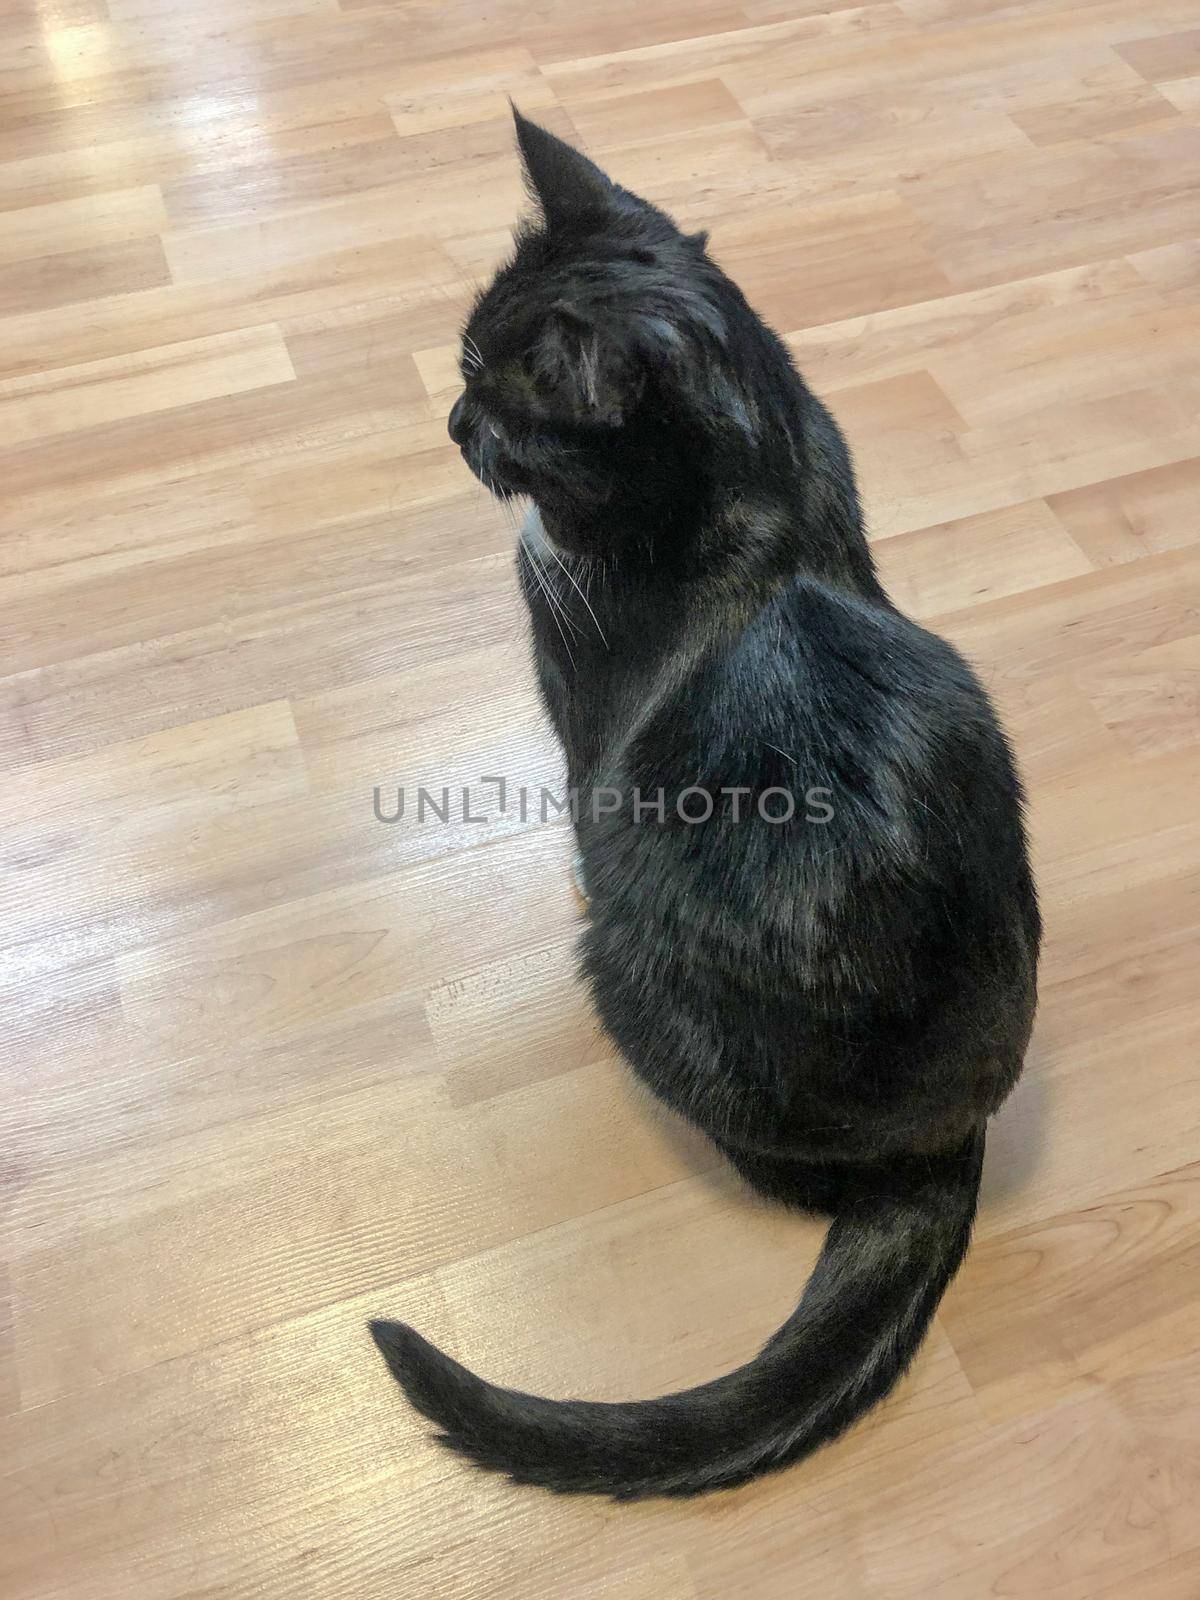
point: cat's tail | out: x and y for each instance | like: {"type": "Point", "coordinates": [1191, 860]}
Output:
{"type": "Point", "coordinates": [887, 1259]}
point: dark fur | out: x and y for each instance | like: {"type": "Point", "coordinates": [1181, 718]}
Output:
{"type": "Point", "coordinates": [840, 1006]}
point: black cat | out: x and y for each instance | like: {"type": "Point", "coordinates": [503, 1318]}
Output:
{"type": "Point", "coordinates": [812, 927]}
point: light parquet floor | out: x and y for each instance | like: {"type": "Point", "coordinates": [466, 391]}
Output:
{"type": "Point", "coordinates": [271, 1066]}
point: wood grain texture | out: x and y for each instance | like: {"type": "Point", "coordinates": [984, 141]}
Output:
{"type": "Point", "coordinates": [274, 1066]}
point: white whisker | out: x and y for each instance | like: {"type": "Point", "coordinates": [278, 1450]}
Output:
{"type": "Point", "coordinates": [553, 600]}
{"type": "Point", "coordinates": [571, 579]}
{"type": "Point", "coordinates": [543, 581]}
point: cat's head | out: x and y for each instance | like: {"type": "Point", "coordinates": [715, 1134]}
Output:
{"type": "Point", "coordinates": [605, 366]}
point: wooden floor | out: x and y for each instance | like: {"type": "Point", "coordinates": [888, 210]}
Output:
{"type": "Point", "coordinates": [274, 1066]}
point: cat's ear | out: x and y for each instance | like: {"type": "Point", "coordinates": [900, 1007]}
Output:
{"type": "Point", "coordinates": [591, 366]}
{"type": "Point", "coordinates": [563, 181]}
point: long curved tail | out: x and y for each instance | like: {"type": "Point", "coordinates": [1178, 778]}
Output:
{"type": "Point", "coordinates": [887, 1259]}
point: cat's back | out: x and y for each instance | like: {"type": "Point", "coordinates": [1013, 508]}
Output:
{"type": "Point", "coordinates": [872, 864]}
{"type": "Point", "coordinates": [820, 689]}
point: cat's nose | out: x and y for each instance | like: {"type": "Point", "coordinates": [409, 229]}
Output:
{"type": "Point", "coordinates": [457, 422]}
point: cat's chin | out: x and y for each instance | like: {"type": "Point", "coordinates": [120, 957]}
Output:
{"type": "Point", "coordinates": [554, 534]}
{"type": "Point", "coordinates": [493, 470]}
